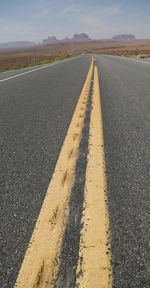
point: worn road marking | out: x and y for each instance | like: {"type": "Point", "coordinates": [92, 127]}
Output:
{"type": "Point", "coordinates": [94, 270]}
{"type": "Point", "coordinates": [40, 264]}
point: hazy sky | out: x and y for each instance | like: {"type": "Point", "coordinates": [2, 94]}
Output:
{"type": "Point", "coordinates": [34, 20]}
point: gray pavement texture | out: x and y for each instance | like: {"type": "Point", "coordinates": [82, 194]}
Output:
{"type": "Point", "coordinates": [12, 73]}
{"type": "Point", "coordinates": [125, 96]}
{"type": "Point", "coordinates": [35, 113]}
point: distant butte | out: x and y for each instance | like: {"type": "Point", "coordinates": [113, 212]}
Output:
{"type": "Point", "coordinates": [76, 38]}
{"type": "Point", "coordinates": [82, 37]}
{"type": "Point", "coordinates": [123, 37]}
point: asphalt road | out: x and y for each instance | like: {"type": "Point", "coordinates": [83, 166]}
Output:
{"type": "Point", "coordinates": [125, 93]}
{"type": "Point", "coordinates": [35, 113]}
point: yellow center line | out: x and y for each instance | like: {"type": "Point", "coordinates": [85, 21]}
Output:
{"type": "Point", "coordinates": [94, 269]}
{"type": "Point", "coordinates": [40, 264]}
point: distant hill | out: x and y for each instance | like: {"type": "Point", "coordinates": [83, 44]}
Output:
{"type": "Point", "coordinates": [123, 37]}
{"type": "Point", "coordinates": [16, 44]}
{"type": "Point", "coordinates": [50, 40]}
{"type": "Point", "coordinates": [76, 38]}
{"type": "Point", "coordinates": [81, 37]}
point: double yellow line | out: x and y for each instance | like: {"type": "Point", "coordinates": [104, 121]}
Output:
{"type": "Point", "coordinates": [40, 266]}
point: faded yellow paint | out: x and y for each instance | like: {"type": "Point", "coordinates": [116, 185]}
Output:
{"type": "Point", "coordinates": [40, 263]}
{"type": "Point", "coordinates": [94, 269]}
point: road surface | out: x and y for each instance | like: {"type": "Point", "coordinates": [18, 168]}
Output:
{"type": "Point", "coordinates": [36, 109]}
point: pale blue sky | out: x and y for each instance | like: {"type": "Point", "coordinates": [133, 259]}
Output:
{"type": "Point", "coordinates": [34, 20]}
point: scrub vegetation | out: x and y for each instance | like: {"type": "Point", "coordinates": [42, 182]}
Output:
{"type": "Point", "coordinates": [16, 58]}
